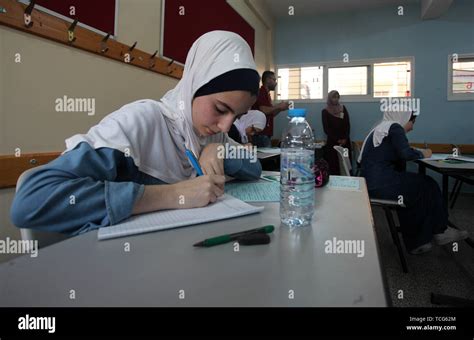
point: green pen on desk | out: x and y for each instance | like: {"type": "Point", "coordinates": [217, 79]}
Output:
{"type": "Point", "coordinates": [214, 241]}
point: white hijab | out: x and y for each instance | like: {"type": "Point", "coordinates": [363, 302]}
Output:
{"type": "Point", "coordinates": [252, 118]}
{"type": "Point", "coordinates": [154, 133]}
{"type": "Point", "coordinates": [381, 128]}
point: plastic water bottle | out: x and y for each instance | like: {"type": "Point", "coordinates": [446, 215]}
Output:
{"type": "Point", "coordinates": [296, 171]}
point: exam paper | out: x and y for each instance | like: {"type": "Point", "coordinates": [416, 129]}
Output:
{"type": "Point", "coordinates": [344, 183]}
{"type": "Point", "coordinates": [261, 191]}
{"type": "Point", "coordinates": [225, 207]}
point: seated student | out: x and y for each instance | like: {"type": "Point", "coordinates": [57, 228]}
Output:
{"type": "Point", "coordinates": [425, 217]}
{"type": "Point", "coordinates": [246, 126]}
{"type": "Point", "coordinates": [110, 173]}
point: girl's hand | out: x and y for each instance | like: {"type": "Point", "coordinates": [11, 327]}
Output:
{"type": "Point", "coordinates": [427, 153]}
{"type": "Point", "coordinates": [210, 163]}
{"type": "Point", "coordinates": [198, 192]}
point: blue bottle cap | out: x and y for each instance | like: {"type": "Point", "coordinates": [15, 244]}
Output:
{"type": "Point", "coordinates": [297, 113]}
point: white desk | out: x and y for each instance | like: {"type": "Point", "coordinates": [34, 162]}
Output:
{"type": "Point", "coordinates": [161, 264]}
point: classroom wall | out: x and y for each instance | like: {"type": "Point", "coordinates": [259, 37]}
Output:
{"type": "Point", "coordinates": [49, 70]}
{"type": "Point", "coordinates": [381, 33]}
{"type": "Point", "coordinates": [258, 17]}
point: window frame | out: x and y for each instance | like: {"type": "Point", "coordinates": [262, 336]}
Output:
{"type": "Point", "coordinates": [460, 96]}
{"type": "Point", "coordinates": [369, 97]}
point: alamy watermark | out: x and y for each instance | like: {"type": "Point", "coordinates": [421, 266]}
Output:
{"type": "Point", "coordinates": [28, 322]}
{"type": "Point", "coordinates": [66, 104]}
{"type": "Point", "coordinates": [9, 246]}
{"type": "Point", "coordinates": [229, 151]}
{"type": "Point", "coordinates": [400, 104]}
{"type": "Point", "coordinates": [335, 246]}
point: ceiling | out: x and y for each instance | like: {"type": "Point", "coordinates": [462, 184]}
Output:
{"type": "Point", "coordinates": [279, 8]}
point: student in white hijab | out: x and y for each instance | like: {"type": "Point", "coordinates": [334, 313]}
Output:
{"type": "Point", "coordinates": [109, 168]}
{"type": "Point", "coordinates": [381, 129]}
{"type": "Point", "coordinates": [247, 126]}
{"type": "Point", "coordinates": [383, 164]}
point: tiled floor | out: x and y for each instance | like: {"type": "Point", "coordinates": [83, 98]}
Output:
{"type": "Point", "coordinates": [441, 271]}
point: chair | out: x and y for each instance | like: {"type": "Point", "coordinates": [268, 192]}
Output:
{"type": "Point", "coordinates": [44, 238]}
{"type": "Point", "coordinates": [355, 157]}
{"type": "Point", "coordinates": [344, 161]}
{"type": "Point", "coordinates": [387, 205]}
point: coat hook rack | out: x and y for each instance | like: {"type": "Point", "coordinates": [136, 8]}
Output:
{"type": "Point", "coordinates": [27, 14]}
{"type": "Point", "coordinates": [70, 32]}
{"type": "Point", "coordinates": [26, 17]}
{"type": "Point", "coordinates": [103, 44]}
{"type": "Point", "coordinates": [152, 59]}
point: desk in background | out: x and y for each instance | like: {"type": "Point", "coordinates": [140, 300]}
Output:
{"type": "Point", "coordinates": [447, 170]}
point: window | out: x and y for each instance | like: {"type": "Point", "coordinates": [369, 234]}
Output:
{"type": "Point", "coordinates": [461, 78]}
{"type": "Point", "coordinates": [356, 81]}
{"type": "Point", "coordinates": [392, 79]}
{"type": "Point", "coordinates": [300, 83]}
{"type": "Point", "coordinates": [348, 80]}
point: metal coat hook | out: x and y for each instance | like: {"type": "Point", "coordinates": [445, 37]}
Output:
{"type": "Point", "coordinates": [103, 44]}
{"type": "Point", "coordinates": [27, 14]}
{"type": "Point", "coordinates": [152, 59]}
{"type": "Point", "coordinates": [130, 49]}
{"type": "Point", "coordinates": [70, 32]}
{"type": "Point", "coordinates": [169, 64]}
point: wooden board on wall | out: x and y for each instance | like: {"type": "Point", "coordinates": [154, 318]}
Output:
{"type": "Point", "coordinates": [187, 20]}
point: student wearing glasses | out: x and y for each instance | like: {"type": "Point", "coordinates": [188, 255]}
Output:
{"type": "Point", "coordinates": [244, 128]}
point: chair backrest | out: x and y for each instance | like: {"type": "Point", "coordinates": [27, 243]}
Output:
{"type": "Point", "coordinates": [44, 238]}
{"type": "Point", "coordinates": [355, 157]}
{"type": "Point", "coordinates": [356, 151]}
{"type": "Point", "coordinates": [344, 161]}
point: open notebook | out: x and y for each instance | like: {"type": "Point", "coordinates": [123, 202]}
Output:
{"type": "Point", "coordinates": [225, 207]}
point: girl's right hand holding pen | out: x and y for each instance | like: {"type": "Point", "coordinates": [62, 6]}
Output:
{"type": "Point", "coordinates": [199, 191]}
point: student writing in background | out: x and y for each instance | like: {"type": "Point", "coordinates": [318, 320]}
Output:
{"type": "Point", "coordinates": [336, 125]}
{"type": "Point", "coordinates": [264, 104]}
{"type": "Point", "coordinates": [383, 153]}
{"type": "Point", "coordinates": [247, 126]}
{"type": "Point", "coordinates": [134, 160]}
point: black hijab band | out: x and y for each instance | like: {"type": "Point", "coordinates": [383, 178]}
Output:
{"type": "Point", "coordinates": [242, 79]}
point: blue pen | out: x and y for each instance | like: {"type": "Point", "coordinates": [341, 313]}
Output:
{"type": "Point", "coordinates": [194, 162]}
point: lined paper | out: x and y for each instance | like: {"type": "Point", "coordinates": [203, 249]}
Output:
{"type": "Point", "coordinates": [225, 207]}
